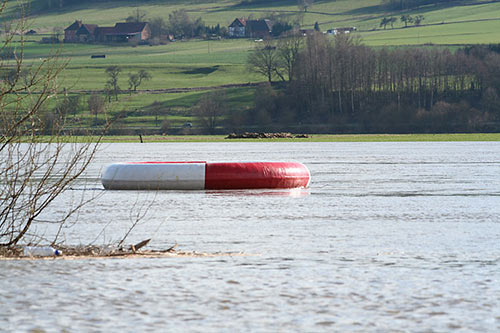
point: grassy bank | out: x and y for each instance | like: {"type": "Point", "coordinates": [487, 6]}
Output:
{"type": "Point", "coordinates": [318, 138]}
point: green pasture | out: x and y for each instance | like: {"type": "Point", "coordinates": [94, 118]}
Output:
{"type": "Point", "coordinates": [442, 34]}
{"type": "Point", "coordinates": [364, 14]}
{"type": "Point", "coordinates": [221, 12]}
{"type": "Point", "coordinates": [201, 63]}
{"type": "Point", "coordinates": [190, 64]}
{"type": "Point", "coordinates": [146, 110]}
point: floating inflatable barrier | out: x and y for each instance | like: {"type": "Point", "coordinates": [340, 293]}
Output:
{"type": "Point", "coordinates": [204, 176]}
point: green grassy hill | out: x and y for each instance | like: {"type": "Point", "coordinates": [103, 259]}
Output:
{"type": "Point", "coordinates": [201, 63]}
{"type": "Point", "coordinates": [457, 22]}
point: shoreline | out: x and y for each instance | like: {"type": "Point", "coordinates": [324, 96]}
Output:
{"type": "Point", "coordinates": [129, 255]}
{"type": "Point", "coordinates": [468, 137]}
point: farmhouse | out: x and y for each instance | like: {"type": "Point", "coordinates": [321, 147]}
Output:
{"type": "Point", "coordinates": [241, 27]}
{"type": "Point", "coordinates": [121, 32]}
{"type": "Point", "coordinates": [126, 32]}
{"type": "Point", "coordinates": [259, 28]}
{"type": "Point", "coordinates": [70, 32]}
{"type": "Point", "coordinates": [86, 33]}
{"type": "Point", "coordinates": [237, 28]}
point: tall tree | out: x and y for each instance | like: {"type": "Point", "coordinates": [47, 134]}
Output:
{"type": "Point", "coordinates": [209, 111]}
{"type": "Point", "coordinates": [179, 24]}
{"type": "Point", "coordinates": [264, 59]}
{"type": "Point", "coordinates": [289, 47]}
{"type": "Point", "coordinates": [112, 83]}
{"type": "Point", "coordinates": [135, 80]}
{"type": "Point", "coordinates": [392, 20]}
{"type": "Point", "coordinates": [384, 22]}
{"type": "Point", "coordinates": [418, 19]}
{"type": "Point", "coordinates": [158, 27]}
{"type": "Point", "coordinates": [34, 173]}
{"type": "Point", "coordinates": [96, 104]}
{"type": "Point", "coordinates": [406, 19]}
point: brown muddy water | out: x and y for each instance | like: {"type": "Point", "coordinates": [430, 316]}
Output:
{"type": "Point", "coordinates": [389, 237]}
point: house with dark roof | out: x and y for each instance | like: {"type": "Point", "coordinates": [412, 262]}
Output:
{"type": "Point", "coordinates": [259, 28]}
{"type": "Point", "coordinates": [126, 32]}
{"type": "Point", "coordinates": [121, 32]}
{"type": "Point", "coordinates": [70, 32]}
{"type": "Point", "coordinates": [237, 28]}
{"type": "Point", "coordinates": [86, 33]}
{"type": "Point", "coordinates": [241, 27]}
{"type": "Point", "coordinates": [102, 32]}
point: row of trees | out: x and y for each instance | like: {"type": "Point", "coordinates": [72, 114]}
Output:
{"type": "Point", "coordinates": [179, 24]}
{"type": "Point", "coordinates": [72, 105]}
{"type": "Point", "coordinates": [134, 80]}
{"type": "Point", "coordinates": [406, 19]}
{"type": "Point", "coordinates": [343, 81]}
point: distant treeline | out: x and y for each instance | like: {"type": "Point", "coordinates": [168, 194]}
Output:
{"type": "Point", "coordinates": [342, 85]}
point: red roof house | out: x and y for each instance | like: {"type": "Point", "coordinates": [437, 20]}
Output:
{"type": "Point", "coordinates": [86, 33]}
{"type": "Point", "coordinates": [121, 32]}
{"type": "Point", "coordinates": [125, 32]}
{"type": "Point", "coordinates": [70, 32]}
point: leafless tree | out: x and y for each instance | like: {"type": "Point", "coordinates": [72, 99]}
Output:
{"type": "Point", "coordinates": [210, 110]}
{"type": "Point", "coordinates": [96, 104]}
{"type": "Point", "coordinates": [135, 79]}
{"type": "Point", "coordinates": [264, 59]}
{"type": "Point", "coordinates": [158, 27]}
{"type": "Point", "coordinates": [288, 49]}
{"type": "Point", "coordinates": [112, 83]}
{"type": "Point", "coordinates": [34, 170]}
{"type": "Point", "coordinates": [418, 19]}
{"type": "Point", "coordinates": [406, 19]}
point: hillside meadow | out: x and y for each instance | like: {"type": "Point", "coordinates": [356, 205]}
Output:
{"type": "Point", "coordinates": [196, 64]}
{"type": "Point", "coordinates": [363, 14]}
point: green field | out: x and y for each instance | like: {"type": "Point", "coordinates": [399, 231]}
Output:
{"type": "Point", "coordinates": [461, 21]}
{"type": "Point", "coordinates": [201, 63]}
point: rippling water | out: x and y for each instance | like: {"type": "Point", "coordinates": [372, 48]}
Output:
{"type": "Point", "coordinates": [389, 237]}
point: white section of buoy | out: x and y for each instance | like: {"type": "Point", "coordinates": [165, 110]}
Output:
{"type": "Point", "coordinates": [154, 176]}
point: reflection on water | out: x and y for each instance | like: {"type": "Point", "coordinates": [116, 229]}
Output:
{"type": "Point", "coordinates": [389, 237]}
{"type": "Point", "coordinates": [294, 192]}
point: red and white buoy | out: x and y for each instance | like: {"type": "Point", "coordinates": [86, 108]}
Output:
{"type": "Point", "coordinates": [204, 176]}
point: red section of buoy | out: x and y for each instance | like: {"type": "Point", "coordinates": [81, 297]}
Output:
{"type": "Point", "coordinates": [256, 175]}
{"type": "Point", "coordinates": [161, 162]}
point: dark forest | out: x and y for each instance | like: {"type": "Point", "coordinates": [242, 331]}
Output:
{"type": "Point", "coordinates": [342, 85]}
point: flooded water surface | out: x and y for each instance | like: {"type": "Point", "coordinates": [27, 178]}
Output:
{"type": "Point", "coordinates": [389, 237]}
